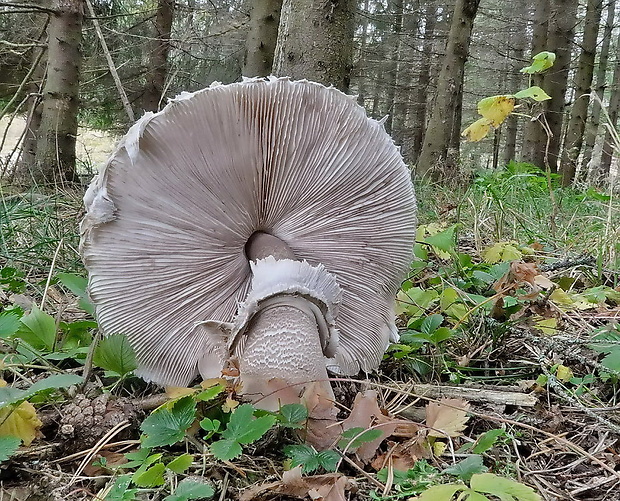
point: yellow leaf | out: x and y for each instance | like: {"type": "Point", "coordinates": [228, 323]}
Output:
{"type": "Point", "coordinates": [496, 108]}
{"type": "Point", "coordinates": [229, 405]}
{"type": "Point", "coordinates": [21, 422]}
{"type": "Point", "coordinates": [570, 302]}
{"type": "Point", "coordinates": [176, 392]}
{"type": "Point", "coordinates": [564, 374]}
{"type": "Point", "coordinates": [447, 417]}
{"type": "Point", "coordinates": [478, 130]}
{"type": "Point", "coordinates": [439, 448]}
{"type": "Point", "coordinates": [547, 326]}
{"type": "Point", "coordinates": [501, 252]}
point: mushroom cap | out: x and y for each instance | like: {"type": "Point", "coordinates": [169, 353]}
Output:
{"type": "Point", "coordinates": [169, 215]}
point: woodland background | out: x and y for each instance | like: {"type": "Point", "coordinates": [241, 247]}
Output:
{"type": "Point", "coordinates": [422, 64]}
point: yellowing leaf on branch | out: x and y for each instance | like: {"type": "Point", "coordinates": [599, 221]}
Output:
{"type": "Point", "coordinates": [496, 108]}
{"type": "Point", "coordinates": [540, 62]}
{"type": "Point", "coordinates": [534, 92]}
{"type": "Point", "coordinates": [477, 131]}
{"type": "Point", "coordinates": [20, 421]}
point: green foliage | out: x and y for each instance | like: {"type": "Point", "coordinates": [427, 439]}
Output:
{"type": "Point", "coordinates": [411, 482]}
{"type": "Point", "coordinates": [242, 429]}
{"type": "Point", "coordinates": [292, 415]}
{"type": "Point", "coordinates": [78, 286]}
{"type": "Point", "coordinates": [310, 460]}
{"type": "Point", "coordinates": [168, 424]}
{"type": "Point", "coordinates": [115, 354]}
{"type": "Point", "coordinates": [15, 396]}
{"type": "Point", "coordinates": [180, 463]}
{"type": "Point", "coordinates": [10, 322]}
{"type": "Point", "coordinates": [540, 62]}
{"type": "Point", "coordinates": [465, 469]}
{"type": "Point", "coordinates": [8, 446]}
{"type": "Point", "coordinates": [38, 329]}
{"type": "Point", "coordinates": [12, 280]}
{"type": "Point", "coordinates": [607, 341]}
{"type": "Point", "coordinates": [120, 490]}
{"type": "Point", "coordinates": [480, 486]}
{"type": "Point", "coordinates": [190, 489]}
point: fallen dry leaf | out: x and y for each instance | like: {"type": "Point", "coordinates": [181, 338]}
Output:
{"type": "Point", "coordinates": [448, 417]}
{"type": "Point", "coordinates": [322, 428]}
{"type": "Point", "coordinates": [329, 487]}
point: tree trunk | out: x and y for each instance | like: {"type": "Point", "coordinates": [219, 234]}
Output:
{"type": "Point", "coordinates": [158, 57]}
{"type": "Point", "coordinates": [55, 152]}
{"type": "Point", "coordinates": [315, 41]}
{"type": "Point", "coordinates": [561, 34]}
{"type": "Point", "coordinates": [592, 128]}
{"type": "Point", "coordinates": [392, 72]}
{"type": "Point", "coordinates": [362, 77]}
{"type": "Point", "coordinates": [583, 85]}
{"type": "Point", "coordinates": [434, 159]}
{"type": "Point", "coordinates": [613, 110]}
{"type": "Point", "coordinates": [424, 79]}
{"type": "Point", "coordinates": [260, 44]}
{"type": "Point", "coordinates": [534, 135]}
{"type": "Point", "coordinates": [516, 44]}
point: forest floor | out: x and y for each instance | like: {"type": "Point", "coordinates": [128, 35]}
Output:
{"type": "Point", "coordinates": [504, 384]}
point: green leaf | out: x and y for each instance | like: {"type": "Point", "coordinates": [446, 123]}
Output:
{"type": "Point", "coordinates": [467, 468]}
{"type": "Point", "coordinates": [190, 489]}
{"type": "Point", "coordinates": [441, 492]}
{"type": "Point", "coordinates": [114, 353]}
{"type": "Point", "coordinates": [167, 425]}
{"type": "Point", "coordinates": [487, 440]}
{"type": "Point", "coordinates": [445, 240]}
{"type": "Point", "coordinates": [292, 415]}
{"type": "Point", "coordinates": [441, 334]}
{"type": "Point", "coordinates": [137, 458]}
{"type": "Point", "coordinates": [226, 449]}
{"type": "Point", "coordinates": [181, 463]}
{"type": "Point", "coordinates": [78, 285]}
{"type": "Point", "coordinates": [10, 396]}
{"type": "Point", "coordinates": [9, 323]}
{"type": "Point", "coordinates": [540, 62]}
{"type": "Point", "coordinates": [38, 329]}
{"type": "Point", "coordinates": [243, 428]}
{"type": "Point", "coordinates": [355, 437]}
{"type": "Point", "coordinates": [209, 424]}
{"type": "Point", "coordinates": [152, 477]}
{"type": "Point", "coordinates": [8, 446]}
{"type": "Point", "coordinates": [303, 455]}
{"type": "Point", "coordinates": [504, 488]}
{"type": "Point", "coordinates": [431, 323]}
{"type": "Point", "coordinates": [210, 393]}
{"type": "Point", "coordinates": [120, 491]}
{"type": "Point", "coordinates": [328, 459]}
{"type": "Point", "coordinates": [534, 92]}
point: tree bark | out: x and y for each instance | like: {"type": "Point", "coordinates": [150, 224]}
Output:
{"type": "Point", "coordinates": [158, 58]}
{"type": "Point", "coordinates": [534, 135]}
{"type": "Point", "coordinates": [613, 111]}
{"type": "Point", "coordinates": [55, 152]}
{"type": "Point", "coordinates": [592, 128]}
{"type": "Point", "coordinates": [434, 159]}
{"type": "Point", "coordinates": [392, 72]}
{"type": "Point", "coordinates": [420, 98]}
{"type": "Point", "coordinates": [583, 86]}
{"type": "Point", "coordinates": [315, 41]}
{"type": "Point", "coordinates": [560, 41]}
{"type": "Point", "coordinates": [260, 44]}
{"type": "Point", "coordinates": [516, 44]}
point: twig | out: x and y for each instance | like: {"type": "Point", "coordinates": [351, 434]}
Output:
{"type": "Point", "coordinates": [108, 56]}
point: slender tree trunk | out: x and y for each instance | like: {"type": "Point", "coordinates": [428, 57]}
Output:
{"type": "Point", "coordinates": [158, 60]}
{"type": "Point", "coordinates": [392, 72]}
{"type": "Point", "coordinates": [534, 135]}
{"type": "Point", "coordinates": [57, 132]}
{"type": "Point", "coordinates": [434, 159]}
{"type": "Point", "coordinates": [561, 34]}
{"type": "Point", "coordinates": [424, 79]}
{"type": "Point", "coordinates": [583, 84]}
{"type": "Point", "coordinates": [315, 41]}
{"type": "Point", "coordinates": [516, 43]}
{"type": "Point", "coordinates": [592, 128]}
{"type": "Point", "coordinates": [613, 110]}
{"type": "Point", "coordinates": [260, 44]}
{"type": "Point", "coordinates": [362, 77]}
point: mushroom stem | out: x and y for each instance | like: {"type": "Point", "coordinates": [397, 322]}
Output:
{"type": "Point", "coordinates": [261, 245]}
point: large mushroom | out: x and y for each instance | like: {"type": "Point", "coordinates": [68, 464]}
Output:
{"type": "Point", "coordinates": [268, 222]}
